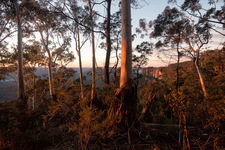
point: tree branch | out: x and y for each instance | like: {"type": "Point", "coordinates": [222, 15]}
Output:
{"type": "Point", "coordinates": [65, 15]}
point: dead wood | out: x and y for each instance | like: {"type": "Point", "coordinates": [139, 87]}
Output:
{"type": "Point", "coordinates": [148, 104]}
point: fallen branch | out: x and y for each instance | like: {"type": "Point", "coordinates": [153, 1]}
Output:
{"type": "Point", "coordinates": [148, 104]}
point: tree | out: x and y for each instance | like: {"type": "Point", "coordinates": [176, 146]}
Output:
{"type": "Point", "coordinates": [200, 42]}
{"type": "Point", "coordinates": [127, 91]}
{"type": "Point", "coordinates": [49, 27]}
{"type": "Point", "coordinates": [5, 61]}
{"type": "Point", "coordinates": [170, 27]}
{"type": "Point", "coordinates": [72, 16]}
{"type": "Point", "coordinates": [108, 43]}
{"type": "Point", "coordinates": [42, 21]}
{"type": "Point", "coordinates": [115, 46]}
{"type": "Point", "coordinates": [33, 57]}
{"type": "Point", "coordinates": [180, 30]}
{"type": "Point", "coordinates": [45, 42]}
{"type": "Point", "coordinates": [21, 89]}
{"type": "Point", "coordinates": [144, 50]}
{"type": "Point", "coordinates": [93, 51]}
{"type": "Point", "coordinates": [206, 17]}
{"type": "Point", "coordinates": [7, 15]}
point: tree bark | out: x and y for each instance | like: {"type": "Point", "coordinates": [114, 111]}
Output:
{"type": "Point", "coordinates": [127, 91]}
{"type": "Point", "coordinates": [126, 109]}
{"type": "Point", "coordinates": [117, 61]}
{"type": "Point", "coordinates": [51, 90]}
{"type": "Point", "coordinates": [50, 79]}
{"type": "Point", "coordinates": [108, 43]}
{"type": "Point", "coordinates": [178, 63]}
{"type": "Point", "coordinates": [80, 63]}
{"type": "Point", "coordinates": [21, 89]}
{"type": "Point", "coordinates": [200, 74]}
{"type": "Point", "coordinates": [93, 52]}
{"type": "Point", "coordinates": [126, 52]}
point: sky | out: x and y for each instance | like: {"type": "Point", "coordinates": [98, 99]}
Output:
{"type": "Point", "coordinates": [149, 11]}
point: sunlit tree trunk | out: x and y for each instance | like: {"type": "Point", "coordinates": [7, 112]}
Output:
{"type": "Point", "coordinates": [108, 43]}
{"type": "Point", "coordinates": [127, 92]}
{"type": "Point", "coordinates": [93, 53]}
{"type": "Point", "coordinates": [80, 63]}
{"type": "Point", "coordinates": [200, 74]}
{"type": "Point", "coordinates": [196, 59]}
{"type": "Point", "coordinates": [50, 79]}
{"type": "Point", "coordinates": [21, 89]}
{"type": "Point", "coordinates": [126, 52]}
{"type": "Point", "coordinates": [51, 90]}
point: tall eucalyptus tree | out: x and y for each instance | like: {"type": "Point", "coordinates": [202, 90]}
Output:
{"type": "Point", "coordinates": [209, 18]}
{"type": "Point", "coordinates": [127, 91]}
{"type": "Point", "coordinates": [21, 89]}
{"type": "Point", "coordinates": [48, 24]}
{"type": "Point", "coordinates": [108, 43]}
{"type": "Point", "coordinates": [115, 44]}
{"type": "Point", "coordinates": [93, 93]}
{"type": "Point", "coordinates": [169, 28]}
{"type": "Point", "coordinates": [76, 21]}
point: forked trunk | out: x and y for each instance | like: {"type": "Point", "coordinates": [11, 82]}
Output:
{"type": "Point", "coordinates": [50, 79]}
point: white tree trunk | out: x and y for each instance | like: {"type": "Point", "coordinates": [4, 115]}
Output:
{"type": "Point", "coordinates": [21, 89]}
{"type": "Point", "coordinates": [50, 79]}
{"type": "Point", "coordinates": [80, 63]}
{"type": "Point", "coordinates": [200, 75]}
{"type": "Point", "coordinates": [45, 44]}
{"type": "Point", "coordinates": [93, 53]}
